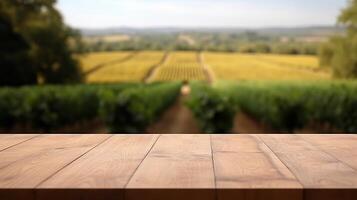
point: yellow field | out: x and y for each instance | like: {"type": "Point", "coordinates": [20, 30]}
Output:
{"type": "Point", "coordinates": [133, 70]}
{"type": "Point", "coordinates": [185, 66]}
{"type": "Point", "coordinates": [250, 67]}
{"type": "Point", "coordinates": [301, 61]}
{"type": "Point", "coordinates": [182, 58]}
{"type": "Point", "coordinates": [180, 66]}
{"type": "Point", "coordinates": [92, 60]}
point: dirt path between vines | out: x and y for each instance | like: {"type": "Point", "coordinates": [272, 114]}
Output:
{"type": "Point", "coordinates": [208, 71]}
{"type": "Point", "coordinates": [178, 119]}
{"type": "Point", "coordinates": [245, 124]}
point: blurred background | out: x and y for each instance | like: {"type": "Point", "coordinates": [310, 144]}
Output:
{"type": "Point", "coordinates": [188, 66]}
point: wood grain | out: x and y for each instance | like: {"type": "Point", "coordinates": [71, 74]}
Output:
{"type": "Point", "coordinates": [28, 164]}
{"type": "Point", "coordinates": [314, 168]}
{"type": "Point", "coordinates": [9, 140]}
{"type": "Point", "coordinates": [175, 162]}
{"type": "Point", "coordinates": [109, 166]}
{"type": "Point", "coordinates": [342, 147]}
{"type": "Point", "coordinates": [247, 165]}
{"type": "Point", "coordinates": [176, 167]}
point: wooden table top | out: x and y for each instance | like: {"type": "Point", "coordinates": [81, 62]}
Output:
{"type": "Point", "coordinates": [249, 167]}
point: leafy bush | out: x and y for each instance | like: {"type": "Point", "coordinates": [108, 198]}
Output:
{"type": "Point", "coordinates": [134, 109]}
{"type": "Point", "coordinates": [50, 107]}
{"type": "Point", "coordinates": [274, 105]}
{"type": "Point", "coordinates": [11, 108]}
{"type": "Point", "coordinates": [285, 106]}
{"type": "Point", "coordinates": [213, 109]}
{"type": "Point", "coordinates": [288, 106]}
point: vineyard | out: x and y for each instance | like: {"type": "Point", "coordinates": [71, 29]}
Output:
{"type": "Point", "coordinates": [125, 108]}
{"type": "Point", "coordinates": [90, 61]}
{"type": "Point", "coordinates": [134, 69]}
{"type": "Point", "coordinates": [263, 67]}
{"type": "Point", "coordinates": [180, 66]}
{"type": "Point", "coordinates": [298, 61]}
{"type": "Point", "coordinates": [284, 93]}
{"type": "Point", "coordinates": [283, 106]}
{"type": "Point", "coordinates": [151, 66]}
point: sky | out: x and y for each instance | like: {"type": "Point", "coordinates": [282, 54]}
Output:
{"type": "Point", "coordinates": [199, 13]}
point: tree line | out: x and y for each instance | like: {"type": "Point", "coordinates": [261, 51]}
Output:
{"type": "Point", "coordinates": [340, 52]}
{"type": "Point", "coordinates": [36, 45]}
{"type": "Point", "coordinates": [247, 42]}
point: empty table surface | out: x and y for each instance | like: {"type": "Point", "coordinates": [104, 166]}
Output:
{"type": "Point", "coordinates": [207, 167]}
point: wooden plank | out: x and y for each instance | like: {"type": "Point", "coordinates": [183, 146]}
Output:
{"type": "Point", "coordinates": [245, 168]}
{"type": "Point", "coordinates": [316, 170]}
{"type": "Point", "coordinates": [342, 147]}
{"type": "Point", "coordinates": [102, 172]}
{"type": "Point", "coordinates": [243, 161]}
{"type": "Point", "coordinates": [178, 167]}
{"type": "Point", "coordinates": [9, 140]}
{"type": "Point", "coordinates": [28, 164]}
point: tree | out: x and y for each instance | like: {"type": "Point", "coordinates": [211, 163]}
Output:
{"type": "Point", "coordinates": [48, 38]}
{"type": "Point", "coordinates": [349, 17]}
{"type": "Point", "coordinates": [52, 55]}
{"type": "Point", "coordinates": [14, 70]}
{"type": "Point", "coordinates": [340, 51]}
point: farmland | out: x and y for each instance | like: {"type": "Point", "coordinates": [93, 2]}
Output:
{"type": "Point", "coordinates": [281, 106]}
{"type": "Point", "coordinates": [280, 92]}
{"type": "Point", "coordinates": [153, 66]}
{"type": "Point", "coordinates": [273, 89]}
{"type": "Point", "coordinates": [49, 108]}
{"type": "Point", "coordinates": [134, 69]}
{"type": "Point", "coordinates": [180, 66]}
{"type": "Point", "coordinates": [284, 93]}
{"type": "Point", "coordinates": [264, 67]}
{"type": "Point", "coordinates": [298, 61]}
{"type": "Point", "coordinates": [90, 61]}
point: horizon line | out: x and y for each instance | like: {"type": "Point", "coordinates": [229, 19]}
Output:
{"type": "Point", "coordinates": [210, 27]}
